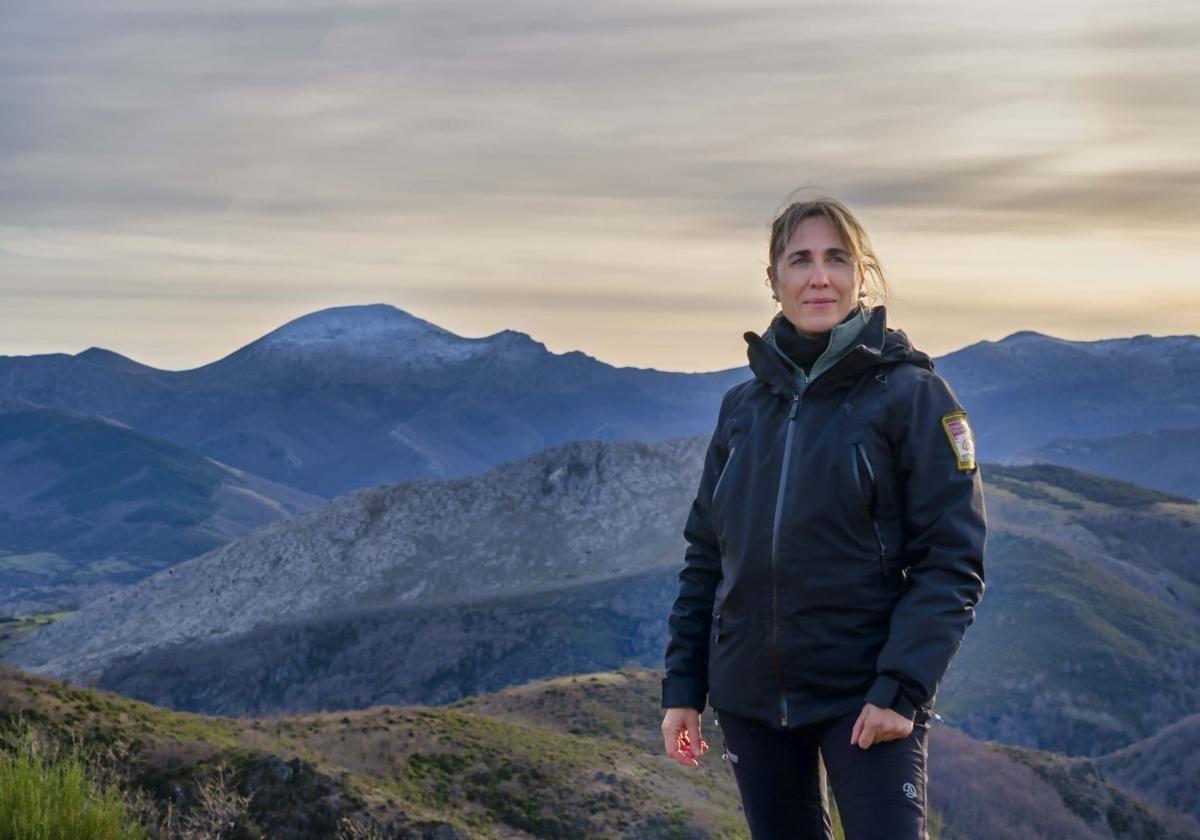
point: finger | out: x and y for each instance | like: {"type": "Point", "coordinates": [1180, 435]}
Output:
{"type": "Point", "coordinates": [674, 742]}
{"type": "Point", "coordinates": [688, 750]}
{"type": "Point", "coordinates": [684, 753]}
{"type": "Point", "coordinates": [856, 732]}
{"type": "Point", "coordinates": [669, 744]}
{"type": "Point", "coordinates": [672, 745]}
{"type": "Point", "coordinates": [867, 736]}
{"type": "Point", "coordinates": [694, 738]}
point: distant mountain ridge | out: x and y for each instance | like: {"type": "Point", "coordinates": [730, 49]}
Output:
{"type": "Point", "coordinates": [1028, 388]}
{"type": "Point", "coordinates": [357, 396]}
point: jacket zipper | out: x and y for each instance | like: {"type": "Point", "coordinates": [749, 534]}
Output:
{"type": "Point", "coordinates": [778, 660]}
{"type": "Point", "coordinates": [871, 508]}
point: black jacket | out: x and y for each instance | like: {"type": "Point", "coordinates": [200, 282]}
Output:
{"type": "Point", "coordinates": [836, 542]}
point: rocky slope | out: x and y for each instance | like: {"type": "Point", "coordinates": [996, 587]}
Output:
{"type": "Point", "coordinates": [1088, 637]}
{"type": "Point", "coordinates": [582, 512]}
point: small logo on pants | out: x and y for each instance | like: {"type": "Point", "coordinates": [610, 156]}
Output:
{"type": "Point", "coordinates": [731, 755]}
{"type": "Point", "coordinates": [910, 790]}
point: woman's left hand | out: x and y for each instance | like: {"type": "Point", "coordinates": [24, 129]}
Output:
{"type": "Point", "coordinates": [875, 725]}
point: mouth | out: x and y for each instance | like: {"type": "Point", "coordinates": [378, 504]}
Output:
{"type": "Point", "coordinates": [820, 302]}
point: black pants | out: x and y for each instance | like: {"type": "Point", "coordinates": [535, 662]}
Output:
{"type": "Point", "coordinates": [880, 791]}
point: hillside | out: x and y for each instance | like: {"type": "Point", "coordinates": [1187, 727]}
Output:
{"type": "Point", "coordinates": [407, 772]}
{"type": "Point", "coordinates": [582, 512]}
{"type": "Point", "coordinates": [1164, 459]}
{"type": "Point", "coordinates": [87, 501]}
{"type": "Point", "coordinates": [1088, 637]}
{"type": "Point", "coordinates": [572, 757]}
{"type": "Point", "coordinates": [1164, 767]}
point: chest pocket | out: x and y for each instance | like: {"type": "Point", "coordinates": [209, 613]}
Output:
{"type": "Point", "coordinates": [864, 480]}
{"type": "Point", "coordinates": [738, 437]}
{"type": "Point", "coordinates": [871, 465]}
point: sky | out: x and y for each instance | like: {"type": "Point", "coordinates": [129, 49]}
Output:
{"type": "Point", "coordinates": [177, 180]}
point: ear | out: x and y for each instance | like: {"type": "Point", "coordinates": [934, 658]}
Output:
{"type": "Point", "coordinates": [771, 279]}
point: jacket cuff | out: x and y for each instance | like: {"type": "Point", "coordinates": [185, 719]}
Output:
{"type": "Point", "coordinates": [886, 694]}
{"type": "Point", "coordinates": [684, 692]}
{"type": "Point", "coordinates": [901, 705]}
{"type": "Point", "coordinates": [883, 691]}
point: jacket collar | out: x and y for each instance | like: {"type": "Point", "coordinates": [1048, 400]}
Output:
{"type": "Point", "coordinates": [840, 337]}
{"type": "Point", "coordinates": [855, 345]}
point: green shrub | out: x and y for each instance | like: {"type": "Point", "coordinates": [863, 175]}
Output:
{"type": "Point", "coordinates": [54, 799]}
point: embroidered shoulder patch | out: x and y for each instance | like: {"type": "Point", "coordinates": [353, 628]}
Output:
{"type": "Point", "coordinates": [962, 439]}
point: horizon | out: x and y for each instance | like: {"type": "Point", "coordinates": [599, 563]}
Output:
{"type": "Point", "coordinates": [536, 339]}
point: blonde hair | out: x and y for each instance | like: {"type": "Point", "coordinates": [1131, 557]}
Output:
{"type": "Point", "coordinates": [849, 230]}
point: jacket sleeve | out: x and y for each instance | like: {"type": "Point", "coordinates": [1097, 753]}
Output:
{"type": "Point", "coordinates": [690, 621]}
{"type": "Point", "coordinates": [945, 528]}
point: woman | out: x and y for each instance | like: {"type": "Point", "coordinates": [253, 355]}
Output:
{"type": "Point", "coordinates": [835, 552]}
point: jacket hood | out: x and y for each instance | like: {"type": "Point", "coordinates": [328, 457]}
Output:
{"type": "Point", "coordinates": [875, 344]}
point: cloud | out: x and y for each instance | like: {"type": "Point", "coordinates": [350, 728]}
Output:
{"type": "Point", "coordinates": [119, 112]}
{"type": "Point", "coordinates": [284, 144]}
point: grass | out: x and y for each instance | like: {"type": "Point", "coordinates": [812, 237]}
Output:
{"type": "Point", "coordinates": [486, 776]}
{"type": "Point", "coordinates": [575, 756]}
{"type": "Point", "coordinates": [48, 797]}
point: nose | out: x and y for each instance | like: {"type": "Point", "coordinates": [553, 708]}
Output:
{"type": "Point", "coordinates": [819, 277]}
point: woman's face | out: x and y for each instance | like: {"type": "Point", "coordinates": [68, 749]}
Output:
{"type": "Point", "coordinates": [815, 277]}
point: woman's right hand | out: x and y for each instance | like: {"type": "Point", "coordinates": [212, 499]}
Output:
{"type": "Point", "coordinates": [681, 734]}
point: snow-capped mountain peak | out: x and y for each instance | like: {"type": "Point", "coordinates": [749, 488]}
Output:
{"type": "Point", "coordinates": [375, 334]}
{"type": "Point", "coordinates": [355, 325]}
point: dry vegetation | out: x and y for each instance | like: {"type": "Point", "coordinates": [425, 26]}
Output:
{"type": "Point", "coordinates": [570, 757]}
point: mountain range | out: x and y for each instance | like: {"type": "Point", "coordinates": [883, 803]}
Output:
{"type": "Point", "coordinates": [1028, 388]}
{"type": "Point", "coordinates": [352, 397]}
{"type": "Point", "coordinates": [355, 396]}
{"type": "Point", "coordinates": [428, 591]}
{"type": "Point", "coordinates": [499, 514]}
